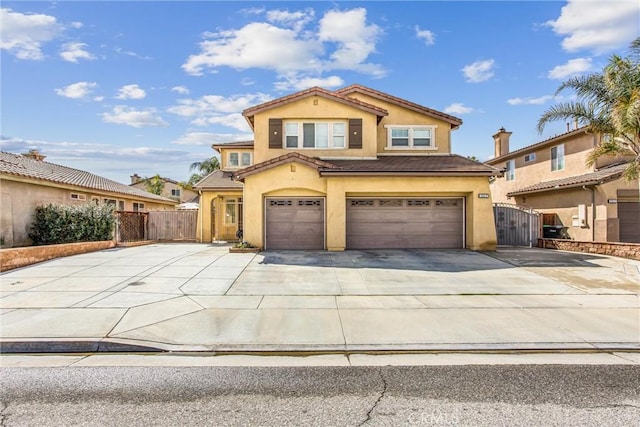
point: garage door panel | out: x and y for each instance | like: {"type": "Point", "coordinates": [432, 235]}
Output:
{"type": "Point", "coordinates": [405, 223]}
{"type": "Point", "coordinates": [294, 223]}
{"type": "Point", "coordinates": [629, 221]}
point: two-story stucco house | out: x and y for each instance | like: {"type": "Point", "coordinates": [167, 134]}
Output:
{"type": "Point", "coordinates": [171, 190]}
{"type": "Point", "coordinates": [357, 168]}
{"type": "Point", "coordinates": [27, 181]}
{"type": "Point", "coordinates": [592, 203]}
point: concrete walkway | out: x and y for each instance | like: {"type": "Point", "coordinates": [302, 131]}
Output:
{"type": "Point", "coordinates": [198, 297]}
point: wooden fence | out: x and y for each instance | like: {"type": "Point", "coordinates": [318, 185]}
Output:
{"type": "Point", "coordinates": [172, 225]}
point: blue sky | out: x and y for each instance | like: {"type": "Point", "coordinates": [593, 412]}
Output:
{"type": "Point", "coordinates": [146, 87]}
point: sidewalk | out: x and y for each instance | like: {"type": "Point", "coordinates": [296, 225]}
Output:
{"type": "Point", "coordinates": [198, 297]}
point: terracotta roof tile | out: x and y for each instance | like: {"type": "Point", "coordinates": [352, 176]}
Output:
{"type": "Point", "coordinates": [18, 165]}
{"type": "Point", "coordinates": [446, 165]}
{"type": "Point", "coordinates": [399, 101]}
{"type": "Point", "coordinates": [218, 179]}
{"type": "Point", "coordinates": [603, 175]}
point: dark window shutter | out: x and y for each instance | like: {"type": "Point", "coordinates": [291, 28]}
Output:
{"type": "Point", "coordinates": [355, 133]}
{"type": "Point", "coordinates": [275, 133]}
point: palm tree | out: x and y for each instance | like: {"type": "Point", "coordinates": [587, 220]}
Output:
{"type": "Point", "coordinates": [608, 103]}
{"type": "Point", "coordinates": [155, 184]}
{"type": "Point", "coordinates": [206, 166]}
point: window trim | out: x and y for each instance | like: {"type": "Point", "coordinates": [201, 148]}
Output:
{"type": "Point", "coordinates": [528, 158]}
{"type": "Point", "coordinates": [411, 129]}
{"type": "Point", "coordinates": [555, 162]}
{"type": "Point", "coordinates": [330, 134]}
{"type": "Point", "coordinates": [237, 165]}
{"type": "Point", "coordinates": [242, 154]}
{"type": "Point", "coordinates": [137, 207]}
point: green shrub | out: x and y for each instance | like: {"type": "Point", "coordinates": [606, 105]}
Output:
{"type": "Point", "coordinates": [54, 224]}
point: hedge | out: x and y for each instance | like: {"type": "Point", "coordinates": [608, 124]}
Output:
{"type": "Point", "coordinates": [55, 224]}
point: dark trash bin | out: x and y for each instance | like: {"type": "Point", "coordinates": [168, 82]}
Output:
{"type": "Point", "coordinates": [552, 231]}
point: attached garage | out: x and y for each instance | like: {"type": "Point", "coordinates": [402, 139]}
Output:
{"type": "Point", "coordinates": [408, 223]}
{"type": "Point", "coordinates": [629, 220]}
{"type": "Point", "coordinates": [294, 223]}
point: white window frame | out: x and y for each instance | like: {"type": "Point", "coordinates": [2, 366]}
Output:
{"type": "Point", "coordinates": [510, 170]}
{"type": "Point", "coordinates": [529, 157]}
{"type": "Point", "coordinates": [77, 196]}
{"type": "Point", "coordinates": [242, 157]}
{"type": "Point", "coordinates": [294, 131]}
{"type": "Point", "coordinates": [138, 207]}
{"type": "Point", "coordinates": [176, 192]}
{"type": "Point", "coordinates": [237, 162]}
{"type": "Point", "coordinates": [557, 160]}
{"type": "Point", "coordinates": [411, 130]}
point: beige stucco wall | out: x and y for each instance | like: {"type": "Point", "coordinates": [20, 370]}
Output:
{"type": "Point", "coordinates": [296, 179]}
{"type": "Point", "coordinates": [185, 195]}
{"type": "Point", "coordinates": [224, 157]}
{"type": "Point", "coordinates": [213, 227]}
{"type": "Point", "coordinates": [21, 197]}
{"type": "Point", "coordinates": [402, 116]}
{"type": "Point", "coordinates": [576, 151]}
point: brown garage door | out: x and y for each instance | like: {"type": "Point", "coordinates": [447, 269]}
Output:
{"type": "Point", "coordinates": [294, 223]}
{"type": "Point", "coordinates": [404, 223]}
{"type": "Point", "coordinates": [629, 217]}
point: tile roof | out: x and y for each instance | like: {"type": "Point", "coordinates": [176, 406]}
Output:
{"type": "Point", "coordinates": [354, 88]}
{"type": "Point", "coordinates": [553, 140]}
{"type": "Point", "coordinates": [19, 165]}
{"type": "Point", "coordinates": [434, 165]}
{"type": "Point", "coordinates": [608, 173]}
{"type": "Point", "coordinates": [218, 179]}
{"type": "Point", "coordinates": [234, 144]}
{"type": "Point", "coordinates": [314, 91]}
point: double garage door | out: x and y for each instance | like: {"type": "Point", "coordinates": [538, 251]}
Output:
{"type": "Point", "coordinates": [629, 217]}
{"type": "Point", "coordinates": [372, 223]}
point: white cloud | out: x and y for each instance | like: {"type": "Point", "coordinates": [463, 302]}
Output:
{"type": "Point", "coordinates": [297, 84]}
{"type": "Point", "coordinates": [77, 90]}
{"type": "Point", "coordinates": [121, 51]}
{"type": "Point", "coordinates": [428, 36]}
{"type": "Point", "coordinates": [530, 101]}
{"type": "Point", "coordinates": [72, 52]}
{"type": "Point", "coordinates": [343, 41]}
{"type": "Point", "coordinates": [123, 115]}
{"type": "Point", "coordinates": [458, 108]}
{"type": "Point", "coordinates": [131, 92]}
{"type": "Point", "coordinates": [572, 68]}
{"type": "Point", "coordinates": [98, 98]}
{"type": "Point", "coordinates": [208, 138]}
{"type": "Point", "coordinates": [216, 109]}
{"type": "Point", "coordinates": [77, 25]}
{"type": "Point", "coordinates": [296, 20]}
{"type": "Point", "coordinates": [479, 71]}
{"type": "Point", "coordinates": [600, 26]}
{"type": "Point", "coordinates": [356, 40]}
{"type": "Point", "coordinates": [24, 34]}
{"type": "Point", "coordinates": [182, 90]}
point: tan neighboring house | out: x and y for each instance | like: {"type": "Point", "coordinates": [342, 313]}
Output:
{"type": "Point", "coordinates": [27, 181]}
{"type": "Point", "coordinates": [354, 168]}
{"type": "Point", "coordinates": [220, 216]}
{"type": "Point", "coordinates": [591, 203]}
{"type": "Point", "coordinates": [171, 189]}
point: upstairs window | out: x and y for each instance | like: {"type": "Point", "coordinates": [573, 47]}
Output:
{"type": "Point", "coordinates": [557, 157]}
{"type": "Point", "coordinates": [410, 137]}
{"type": "Point", "coordinates": [175, 192]}
{"type": "Point", "coordinates": [245, 159]}
{"type": "Point", "coordinates": [234, 161]}
{"type": "Point", "coordinates": [239, 160]}
{"type": "Point", "coordinates": [510, 170]}
{"type": "Point", "coordinates": [530, 157]}
{"type": "Point", "coordinates": [315, 135]}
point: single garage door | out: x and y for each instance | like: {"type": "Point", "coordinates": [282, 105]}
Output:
{"type": "Point", "coordinates": [294, 223]}
{"type": "Point", "coordinates": [629, 219]}
{"type": "Point", "coordinates": [405, 223]}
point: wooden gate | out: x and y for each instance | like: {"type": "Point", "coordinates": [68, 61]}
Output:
{"type": "Point", "coordinates": [515, 225]}
{"type": "Point", "coordinates": [131, 226]}
{"type": "Point", "coordinates": [172, 225]}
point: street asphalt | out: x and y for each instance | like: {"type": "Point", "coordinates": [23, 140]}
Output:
{"type": "Point", "coordinates": [186, 297]}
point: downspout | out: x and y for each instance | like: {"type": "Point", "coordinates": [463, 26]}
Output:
{"type": "Point", "coordinates": [200, 212]}
{"type": "Point", "coordinates": [593, 210]}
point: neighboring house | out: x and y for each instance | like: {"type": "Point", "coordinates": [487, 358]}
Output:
{"type": "Point", "coordinates": [592, 203]}
{"type": "Point", "coordinates": [356, 169]}
{"type": "Point", "coordinates": [27, 181]}
{"type": "Point", "coordinates": [171, 189]}
{"type": "Point", "coordinates": [220, 216]}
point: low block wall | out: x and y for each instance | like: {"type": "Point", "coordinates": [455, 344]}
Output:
{"type": "Point", "coordinates": [622, 250]}
{"type": "Point", "coordinates": [19, 257]}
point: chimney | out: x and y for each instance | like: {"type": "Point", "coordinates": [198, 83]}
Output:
{"type": "Point", "coordinates": [35, 155]}
{"type": "Point", "coordinates": [135, 178]}
{"type": "Point", "coordinates": [501, 139]}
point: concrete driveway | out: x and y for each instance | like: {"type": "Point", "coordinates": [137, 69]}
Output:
{"type": "Point", "coordinates": [198, 297]}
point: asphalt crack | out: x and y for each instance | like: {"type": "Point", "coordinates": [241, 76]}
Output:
{"type": "Point", "coordinates": [3, 415]}
{"type": "Point", "coordinates": [378, 400]}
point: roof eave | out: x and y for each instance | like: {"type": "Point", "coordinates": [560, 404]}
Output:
{"type": "Point", "coordinates": [405, 173]}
